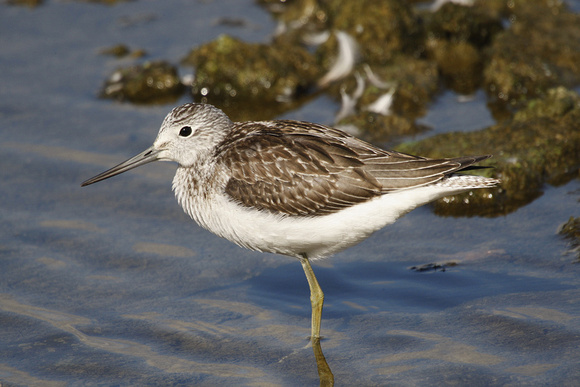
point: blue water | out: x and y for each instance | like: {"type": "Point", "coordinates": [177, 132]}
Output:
{"type": "Point", "coordinates": [113, 285]}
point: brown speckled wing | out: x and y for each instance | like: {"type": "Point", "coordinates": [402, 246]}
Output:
{"type": "Point", "coordinates": [303, 169]}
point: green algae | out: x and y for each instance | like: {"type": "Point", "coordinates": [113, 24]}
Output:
{"type": "Point", "coordinates": [381, 128]}
{"type": "Point", "coordinates": [538, 147]}
{"type": "Point", "coordinates": [557, 103]}
{"type": "Point", "coordinates": [383, 29]}
{"type": "Point", "coordinates": [229, 68]}
{"type": "Point", "coordinates": [122, 51]}
{"type": "Point", "coordinates": [516, 8]}
{"type": "Point", "coordinates": [460, 64]}
{"type": "Point", "coordinates": [151, 82]}
{"type": "Point", "coordinates": [570, 231]}
{"type": "Point", "coordinates": [456, 23]}
{"type": "Point", "coordinates": [539, 51]}
{"type": "Point", "coordinates": [455, 38]}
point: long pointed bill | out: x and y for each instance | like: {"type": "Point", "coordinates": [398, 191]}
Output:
{"type": "Point", "coordinates": [145, 157]}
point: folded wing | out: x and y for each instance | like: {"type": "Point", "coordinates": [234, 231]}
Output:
{"type": "Point", "coordinates": [301, 169]}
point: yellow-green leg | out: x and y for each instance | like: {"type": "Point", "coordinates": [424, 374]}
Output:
{"type": "Point", "coordinates": [316, 297]}
{"type": "Point", "coordinates": [324, 372]}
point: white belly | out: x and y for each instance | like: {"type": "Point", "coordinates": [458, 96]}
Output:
{"type": "Point", "coordinates": [317, 236]}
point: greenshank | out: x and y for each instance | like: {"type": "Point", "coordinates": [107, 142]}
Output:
{"type": "Point", "coordinates": [293, 188]}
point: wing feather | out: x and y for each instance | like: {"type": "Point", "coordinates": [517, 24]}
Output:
{"type": "Point", "coordinates": [302, 169]}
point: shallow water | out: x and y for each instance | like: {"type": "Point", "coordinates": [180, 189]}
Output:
{"type": "Point", "coordinates": [113, 285]}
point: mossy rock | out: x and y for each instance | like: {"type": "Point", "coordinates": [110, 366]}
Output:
{"type": "Point", "coordinates": [541, 50]}
{"type": "Point", "coordinates": [508, 9]}
{"type": "Point", "coordinates": [460, 64]}
{"type": "Point", "coordinates": [529, 151]}
{"type": "Point", "coordinates": [151, 82]}
{"type": "Point", "coordinates": [377, 128]}
{"type": "Point", "coordinates": [227, 68]}
{"type": "Point", "coordinates": [383, 29]}
{"type": "Point", "coordinates": [571, 232]}
{"type": "Point", "coordinates": [457, 23]}
{"type": "Point", "coordinates": [557, 103]}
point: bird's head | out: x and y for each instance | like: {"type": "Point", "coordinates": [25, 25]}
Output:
{"type": "Point", "coordinates": [188, 134]}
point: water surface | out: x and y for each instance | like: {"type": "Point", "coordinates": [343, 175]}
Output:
{"type": "Point", "coordinates": [114, 285]}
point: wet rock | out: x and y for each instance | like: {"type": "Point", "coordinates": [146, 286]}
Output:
{"type": "Point", "coordinates": [383, 29]}
{"type": "Point", "coordinates": [119, 50]}
{"type": "Point", "coordinates": [378, 128]}
{"type": "Point", "coordinates": [540, 50]}
{"type": "Point", "coordinates": [509, 9]}
{"type": "Point", "coordinates": [457, 23]}
{"type": "Point", "coordinates": [227, 68]}
{"type": "Point", "coordinates": [456, 35]}
{"type": "Point", "coordinates": [460, 64]}
{"type": "Point", "coordinates": [571, 232]}
{"type": "Point", "coordinates": [295, 15]}
{"type": "Point", "coordinates": [557, 103]}
{"type": "Point", "coordinates": [122, 50]}
{"type": "Point", "coordinates": [151, 82]}
{"type": "Point", "coordinates": [539, 146]}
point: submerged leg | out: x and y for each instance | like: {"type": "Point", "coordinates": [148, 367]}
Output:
{"type": "Point", "coordinates": [316, 297]}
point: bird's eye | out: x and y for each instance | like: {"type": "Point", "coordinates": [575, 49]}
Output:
{"type": "Point", "coordinates": [185, 131]}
